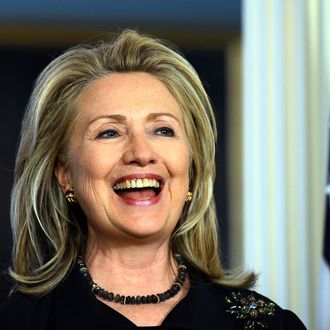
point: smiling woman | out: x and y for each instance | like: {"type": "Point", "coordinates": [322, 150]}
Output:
{"type": "Point", "coordinates": [112, 207]}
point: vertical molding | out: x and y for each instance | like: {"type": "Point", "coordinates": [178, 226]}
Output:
{"type": "Point", "coordinates": [285, 110]}
{"type": "Point", "coordinates": [234, 151]}
{"type": "Point", "coordinates": [254, 141]}
{"type": "Point", "coordinates": [275, 139]}
{"type": "Point", "coordinates": [317, 64]}
{"type": "Point", "coordinates": [312, 63]}
{"type": "Point", "coordinates": [296, 155]}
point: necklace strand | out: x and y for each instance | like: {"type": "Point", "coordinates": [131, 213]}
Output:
{"type": "Point", "coordinates": [126, 300]}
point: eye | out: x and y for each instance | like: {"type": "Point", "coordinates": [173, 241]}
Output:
{"type": "Point", "coordinates": [165, 131]}
{"type": "Point", "coordinates": [108, 134]}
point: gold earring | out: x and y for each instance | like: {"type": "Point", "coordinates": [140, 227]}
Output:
{"type": "Point", "coordinates": [70, 197]}
{"type": "Point", "coordinates": [189, 196]}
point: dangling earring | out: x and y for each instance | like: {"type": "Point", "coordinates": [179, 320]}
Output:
{"type": "Point", "coordinates": [189, 196]}
{"type": "Point", "coordinates": [70, 197]}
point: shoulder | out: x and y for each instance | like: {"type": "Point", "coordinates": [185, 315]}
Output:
{"type": "Point", "coordinates": [39, 312]}
{"type": "Point", "coordinates": [240, 308]}
{"type": "Point", "coordinates": [255, 311]}
{"type": "Point", "coordinates": [70, 305]}
{"type": "Point", "coordinates": [22, 311]}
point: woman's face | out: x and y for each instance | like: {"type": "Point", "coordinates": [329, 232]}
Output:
{"type": "Point", "coordinates": [128, 158]}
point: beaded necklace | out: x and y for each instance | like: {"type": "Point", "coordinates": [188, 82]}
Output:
{"type": "Point", "coordinates": [132, 300]}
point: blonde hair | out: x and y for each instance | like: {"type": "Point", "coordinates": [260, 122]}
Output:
{"type": "Point", "coordinates": [48, 235]}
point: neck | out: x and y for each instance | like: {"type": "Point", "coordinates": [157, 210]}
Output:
{"type": "Point", "coordinates": [128, 254]}
{"type": "Point", "coordinates": [128, 267]}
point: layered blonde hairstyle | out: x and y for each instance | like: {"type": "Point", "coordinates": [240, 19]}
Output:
{"type": "Point", "coordinates": [47, 233]}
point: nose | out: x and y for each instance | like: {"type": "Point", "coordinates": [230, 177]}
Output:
{"type": "Point", "coordinates": [139, 151]}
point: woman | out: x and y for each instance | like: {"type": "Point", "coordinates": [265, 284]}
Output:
{"type": "Point", "coordinates": [112, 208]}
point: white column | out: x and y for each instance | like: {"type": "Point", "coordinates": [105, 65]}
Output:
{"type": "Point", "coordinates": [285, 111]}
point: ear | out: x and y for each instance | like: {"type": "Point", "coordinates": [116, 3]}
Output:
{"type": "Point", "coordinates": [63, 176]}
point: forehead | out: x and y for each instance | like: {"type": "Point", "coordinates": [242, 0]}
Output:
{"type": "Point", "coordinates": [125, 93]}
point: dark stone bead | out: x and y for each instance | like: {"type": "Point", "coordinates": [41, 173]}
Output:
{"type": "Point", "coordinates": [143, 300]}
{"type": "Point", "coordinates": [167, 294]}
{"type": "Point", "coordinates": [138, 300]}
{"type": "Point", "coordinates": [177, 286]}
{"type": "Point", "coordinates": [133, 300]}
{"type": "Point", "coordinates": [88, 277]}
{"type": "Point", "coordinates": [122, 299]}
{"type": "Point", "coordinates": [110, 296]}
{"type": "Point", "coordinates": [148, 299]}
{"type": "Point", "coordinates": [117, 298]}
{"type": "Point", "coordinates": [154, 299]}
{"type": "Point", "coordinates": [83, 269]}
{"type": "Point", "coordinates": [96, 289]}
{"type": "Point", "coordinates": [105, 294]}
{"type": "Point", "coordinates": [102, 293]}
{"type": "Point", "coordinates": [178, 258]}
{"type": "Point", "coordinates": [182, 276]}
{"type": "Point", "coordinates": [128, 300]}
{"type": "Point", "coordinates": [162, 297]}
{"type": "Point", "coordinates": [173, 291]}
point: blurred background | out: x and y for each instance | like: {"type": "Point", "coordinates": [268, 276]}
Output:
{"type": "Point", "coordinates": [265, 66]}
{"type": "Point", "coordinates": [34, 33]}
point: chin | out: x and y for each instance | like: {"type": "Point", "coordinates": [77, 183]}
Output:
{"type": "Point", "coordinates": [141, 233]}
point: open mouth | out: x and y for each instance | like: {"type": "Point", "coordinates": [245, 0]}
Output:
{"type": "Point", "coordinates": [138, 189]}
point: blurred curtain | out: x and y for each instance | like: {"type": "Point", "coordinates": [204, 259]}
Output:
{"type": "Point", "coordinates": [284, 119]}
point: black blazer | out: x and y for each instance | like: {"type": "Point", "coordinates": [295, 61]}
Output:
{"type": "Point", "coordinates": [207, 306]}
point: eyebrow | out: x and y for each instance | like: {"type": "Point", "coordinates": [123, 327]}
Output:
{"type": "Point", "coordinates": [156, 115]}
{"type": "Point", "coordinates": [122, 119]}
{"type": "Point", "coordinates": [118, 118]}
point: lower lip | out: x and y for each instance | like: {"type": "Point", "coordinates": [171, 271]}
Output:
{"type": "Point", "coordinates": [142, 202]}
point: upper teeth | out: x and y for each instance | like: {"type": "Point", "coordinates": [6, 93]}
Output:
{"type": "Point", "coordinates": [137, 183]}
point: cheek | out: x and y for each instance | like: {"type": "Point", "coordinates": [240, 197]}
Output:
{"type": "Point", "coordinates": [185, 159]}
{"type": "Point", "coordinates": [89, 168]}
{"type": "Point", "coordinates": [180, 164]}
